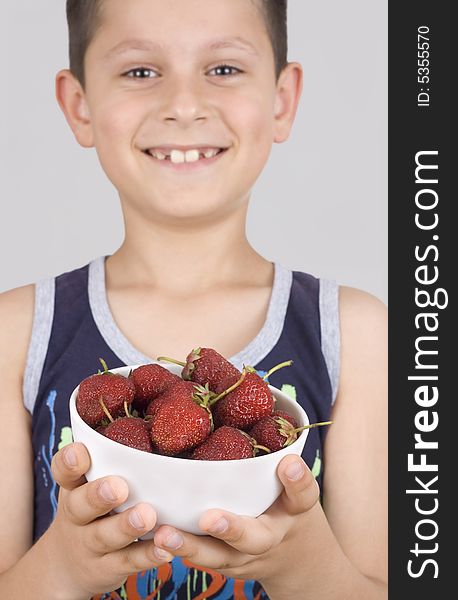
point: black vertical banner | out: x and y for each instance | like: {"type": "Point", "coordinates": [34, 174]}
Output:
{"type": "Point", "coordinates": [423, 127]}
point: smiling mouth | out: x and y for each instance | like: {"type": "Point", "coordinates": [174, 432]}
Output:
{"type": "Point", "coordinates": [179, 157]}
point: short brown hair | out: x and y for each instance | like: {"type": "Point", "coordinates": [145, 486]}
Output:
{"type": "Point", "coordinates": [84, 18]}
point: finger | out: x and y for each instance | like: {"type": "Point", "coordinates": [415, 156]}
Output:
{"type": "Point", "coordinates": [200, 550]}
{"type": "Point", "coordinates": [69, 465]}
{"type": "Point", "coordinates": [120, 530]}
{"type": "Point", "coordinates": [94, 499]}
{"type": "Point", "coordinates": [246, 534]}
{"type": "Point", "coordinates": [139, 556]}
{"type": "Point", "coordinates": [301, 491]}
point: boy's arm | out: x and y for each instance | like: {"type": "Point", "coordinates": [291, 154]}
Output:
{"type": "Point", "coordinates": [356, 476]}
{"type": "Point", "coordinates": [16, 465]}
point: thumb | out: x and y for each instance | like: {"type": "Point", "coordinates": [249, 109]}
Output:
{"type": "Point", "coordinates": [69, 465]}
{"type": "Point", "coordinates": [301, 491]}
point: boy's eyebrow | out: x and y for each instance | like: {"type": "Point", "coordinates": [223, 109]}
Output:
{"type": "Point", "coordinates": [148, 45]}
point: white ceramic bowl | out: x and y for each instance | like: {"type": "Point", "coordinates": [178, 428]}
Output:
{"type": "Point", "coordinates": [179, 489]}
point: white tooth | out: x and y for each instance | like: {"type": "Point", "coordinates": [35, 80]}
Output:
{"type": "Point", "coordinates": [210, 153]}
{"type": "Point", "coordinates": [159, 155]}
{"type": "Point", "coordinates": [177, 157]}
{"type": "Point", "coordinates": [192, 156]}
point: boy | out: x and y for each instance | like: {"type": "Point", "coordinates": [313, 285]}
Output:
{"type": "Point", "coordinates": [184, 146]}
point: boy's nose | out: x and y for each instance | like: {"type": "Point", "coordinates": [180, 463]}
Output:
{"type": "Point", "coordinates": [184, 103]}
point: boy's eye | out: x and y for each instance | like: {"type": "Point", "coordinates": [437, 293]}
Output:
{"type": "Point", "coordinates": [225, 71]}
{"type": "Point", "coordinates": [137, 73]}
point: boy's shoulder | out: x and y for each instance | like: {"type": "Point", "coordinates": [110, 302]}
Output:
{"type": "Point", "coordinates": [359, 306]}
{"type": "Point", "coordinates": [363, 325]}
{"type": "Point", "coordinates": [16, 303]}
{"type": "Point", "coordinates": [16, 317]}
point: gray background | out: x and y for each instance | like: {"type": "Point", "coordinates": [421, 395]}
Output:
{"type": "Point", "coordinates": [320, 205]}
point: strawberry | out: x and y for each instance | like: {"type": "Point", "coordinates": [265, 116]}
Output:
{"type": "Point", "coordinates": [276, 432]}
{"type": "Point", "coordinates": [205, 365]}
{"type": "Point", "coordinates": [284, 415]}
{"type": "Point", "coordinates": [130, 431]}
{"type": "Point", "coordinates": [153, 407]}
{"type": "Point", "coordinates": [102, 395]}
{"type": "Point", "coordinates": [226, 443]}
{"type": "Point", "coordinates": [246, 401]}
{"type": "Point", "coordinates": [150, 381]}
{"type": "Point", "coordinates": [169, 393]}
{"type": "Point", "coordinates": [182, 421]}
{"type": "Point", "coordinates": [249, 402]}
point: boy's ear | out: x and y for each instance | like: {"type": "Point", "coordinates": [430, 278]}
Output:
{"type": "Point", "coordinates": [72, 100]}
{"type": "Point", "coordinates": [289, 89]}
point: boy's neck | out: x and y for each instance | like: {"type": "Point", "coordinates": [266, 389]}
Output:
{"type": "Point", "coordinates": [191, 259]}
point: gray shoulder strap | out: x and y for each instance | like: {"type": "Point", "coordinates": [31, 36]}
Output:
{"type": "Point", "coordinates": [330, 330]}
{"type": "Point", "coordinates": [38, 347]}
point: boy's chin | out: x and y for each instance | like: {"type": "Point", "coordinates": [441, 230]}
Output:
{"type": "Point", "coordinates": [189, 210]}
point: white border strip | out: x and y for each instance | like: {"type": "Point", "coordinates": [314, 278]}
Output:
{"type": "Point", "coordinates": [38, 347]}
{"type": "Point", "coordinates": [330, 331]}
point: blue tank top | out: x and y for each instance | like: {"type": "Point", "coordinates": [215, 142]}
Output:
{"type": "Point", "coordinates": [73, 327]}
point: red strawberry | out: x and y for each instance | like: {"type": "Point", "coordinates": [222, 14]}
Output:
{"type": "Point", "coordinates": [130, 431]}
{"type": "Point", "coordinates": [276, 432]}
{"type": "Point", "coordinates": [181, 422]}
{"type": "Point", "coordinates": [205, 365]}
{"type": "Point", "coordinates": [169, 394]}
{"type": "Point", "coordinates": [153, 407]}
{"type": "Point", "coordinates": [245, 405]}
{"type": "Point", "coordinates": [226, 443]}
{"type": "Point", "coordinates": [284, 415]}
{"type": "Point", "coordinates": [109, 390]}
{"type": "Point", "coordinates": [150, 381]}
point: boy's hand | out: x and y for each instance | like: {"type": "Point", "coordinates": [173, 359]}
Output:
{"type": "Point", "coordinates": [248, 548]}
{"type": "Point", "coordinates": [91, 551]}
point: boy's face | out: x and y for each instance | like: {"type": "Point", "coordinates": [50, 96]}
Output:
{"type": "Point", "coordinates": [177, 94]}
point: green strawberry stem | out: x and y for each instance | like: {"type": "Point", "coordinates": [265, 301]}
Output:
{"type": "Point", "coordinates": [171, 360]}
{"type": "Point", "coordinates": [190, 366]}
{"type": "Point", "coordinates": [291, 433]}
{"type": "Point", "coordinates": [126, 408]}
{"type": "Point", "coordinates": [203, 395]}
{"type": "Point", "coordinates": [258, 447]}
{"type": "Point", "coordinates": [105, 410]}
{"type": "Point", "coordinates": [230, 389]}
{"type": "Point", "coordinates": [286, 430]}
{"type": "Point", "coordinates": [299, 429]}
{"type": "Point", "coordinates": [287, 363]}
{"type": "Point", "coordinates": [105, 367]}
{"type": "Point", "coordinates": [254, 443]}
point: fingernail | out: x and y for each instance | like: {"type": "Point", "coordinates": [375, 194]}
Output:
{"type": "Point", "coordinates": [106, 492]}
{"type": "Point", "coordinates": [70, 457]}
{"type": "Point", "coordinates": [135, 520]}
{"type": "Point", "coordinates": [162, 555]}
{"type": "Point", "coordinates": [295, 471]}
{"type": "Point", "coordinates": [174, 541]}
{"type": "Point", "coordinates": [219, 526]}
